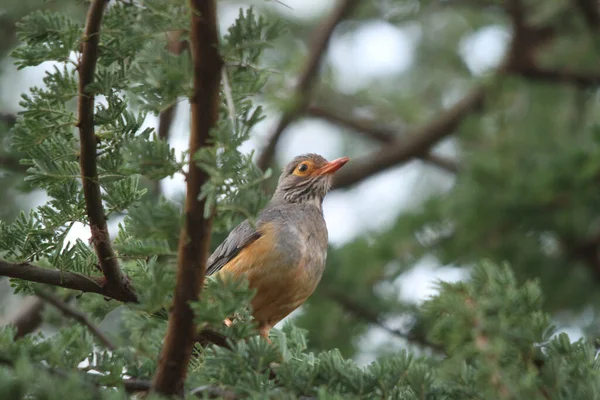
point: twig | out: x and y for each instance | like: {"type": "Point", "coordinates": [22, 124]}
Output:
{"type": "Point", "coordinates": [213, 392]}
{"type": "Point", "coordinates": [380, 134]}
{"type": "Point", "coordinates": [89, 173]}
{"type": "Point", "coordinates": [63, 375]}
{"type": "Point", "coordinates": [8, 119]}
{"type": "Point", "coordinates": [207, 336]}
{"type": "Point", "coordinates": [590, 13]}
{"type": "Point", "coordinates": [417, 142]}
{"type": "Point", "coordinates": [578, 78]}
{"type": "Point", "coordinates": [165, 118]}
{"type": "Point", "coordinates": [194, 239]}
{"type": "Point", "coordinates": [27, 318]}
{"type": "Point", "coordinates": [77, 315]}
{"type": "Point", "coordinates": [69, 280]}
{"type": "Point", "coordinates": [362, 312]}
{"type": "Point", "coordinates": [307, 77]}
{"type": "Point", "coordinates": [11, 163]}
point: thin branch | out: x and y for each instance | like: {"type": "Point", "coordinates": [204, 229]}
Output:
{"type": "Point", "coordinates": [77, 315]}
{"type": "Point", "coordinates": [207, 336]}
{"type": "Point", "coordinates": [590, 11]}
{"type": "Point", "coordinates": [27, 318]}
{"type": "Point", "coordinates": [307, 77]}
{"type": "Point", "coordinates": [381, 134]}
{"type": "Point", "coordinates": [213, 392]}
{"type": "Point", "coordinates": [582, 79]}
{"type": "Point", "coordinates": [8, 119]}
{"type": "Point", "coordinates": [69, 280]}
{"type": "Point", "coordinates": [417, 142]}
{"type": "Point", "coordinates": [12, 163]}
{"type": "Point", "coordinates": [89, 173]}
{"type": "Point", "coordinates": [361, 312]}
{"type": "Point", "coordinates": [194, 239]}
{"type": "Point", "coordinates": [165, 119]}
{"type": "Point", "coordinates": [62, 375]}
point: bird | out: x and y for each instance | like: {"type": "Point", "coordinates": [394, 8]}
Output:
{"type": "Point", "coordinates": [283, 254]}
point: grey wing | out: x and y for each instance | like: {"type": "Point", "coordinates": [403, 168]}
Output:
{"type": "Point", "coordinates": [240, 237]}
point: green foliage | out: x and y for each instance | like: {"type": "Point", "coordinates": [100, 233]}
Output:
{"type": "Point", "coordinates": [526, 193]}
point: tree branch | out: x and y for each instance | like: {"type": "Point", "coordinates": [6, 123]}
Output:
{"type": "Point", "coordinates": [69, 280]}
{"type": "Point", "coordinates": [417, 142]}
{"type": "Point", "coordinates": [89, 173]}
{"type": "Point", "coordinates": [213, 392]}
{"type": "Point", "coordinates": [28, 317]}
{"type": "Point", "coordinates": [77, 315]}
{"type": "Point", "coordinates": [590, 13]}
{"type": "Point", "coordinates": [194, 240]}
{"type": "Point", "coordinates": [381, 134]}
{"type": "Point", "coordinates": [165, 118]}
{"type": "Point", "coordinates": [306, 78]}
{"type": "Point", "coordinates": [361, 312]}
{"type": "Point", "coordinates": [8, 119]}
{"type": "Point", "coordinates": [582, 79]}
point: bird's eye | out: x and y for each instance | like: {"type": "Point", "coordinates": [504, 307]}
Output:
{"type": "Point", "coordinates": [302, 168]}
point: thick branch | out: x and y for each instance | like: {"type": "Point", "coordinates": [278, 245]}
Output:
{"type": "Point", "coordinates": [69, 280]}
{"type": "Point", "coordinates": [77, 315]}
{"type": "Point", "coordinates": [380, 134]}
{"type": "Point", "coordinates": [87, 160]}
{"type": "Point", "coordinates": [417, 143]}
{"type": "Point", "coordinates": [307, 77]}
{"type": "Point", "coordinates": [194, 240]}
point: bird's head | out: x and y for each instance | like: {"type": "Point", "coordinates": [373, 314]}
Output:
{"type": "Point", "coordinates": [307, 179]}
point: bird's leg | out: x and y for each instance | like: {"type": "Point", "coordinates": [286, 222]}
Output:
{"type": "Point", "coordinates": [264, 330]}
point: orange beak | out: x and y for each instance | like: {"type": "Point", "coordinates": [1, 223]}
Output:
{"type": "Point", "coordinates": [332, 166]}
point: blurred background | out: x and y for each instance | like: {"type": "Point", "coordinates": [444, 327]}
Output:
{"type": "Point", "coordinates": [473, 132]}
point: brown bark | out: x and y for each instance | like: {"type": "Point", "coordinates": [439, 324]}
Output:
{"type": "Point", "coordinates": [195, 236]}
{"type": "Point", "coordinates": [115, 279]}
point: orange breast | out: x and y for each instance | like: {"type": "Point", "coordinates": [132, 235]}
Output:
{"type": "Point", "coordinates": [281, 287]}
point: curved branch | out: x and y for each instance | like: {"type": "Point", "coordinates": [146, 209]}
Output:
{"type": "Point", "coordinates": [380, 134]}
{"type": "Point", "coordinates": [77, 315]}
{"type": "Point", "coordinates": [306, 78]}
{"type": "Point", "coordinates": [416, 144]}
{"type": "Point", "coordinates": [68, 280]}
{"type": "Point", "coordinates": [27, 318]}
{"type": "Point", "coordinates": [87, 160]}
{"type": "Point", "coordinates": [194, 240]}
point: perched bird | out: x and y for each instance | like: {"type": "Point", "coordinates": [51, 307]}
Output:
{"type": "Point", "coordinates": [283, 257]}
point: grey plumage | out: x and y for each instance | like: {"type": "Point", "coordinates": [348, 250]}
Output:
{"type": "Point", "coordinates": [284, 255]}
{"type": "Point", "coordinates": [291, 192]}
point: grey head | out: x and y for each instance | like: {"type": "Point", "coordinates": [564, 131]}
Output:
{"type": "Point", "coordinates": [306, 179]}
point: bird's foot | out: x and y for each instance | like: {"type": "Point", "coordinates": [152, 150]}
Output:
{"type": "Point", "coordinates": [264, 332]}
